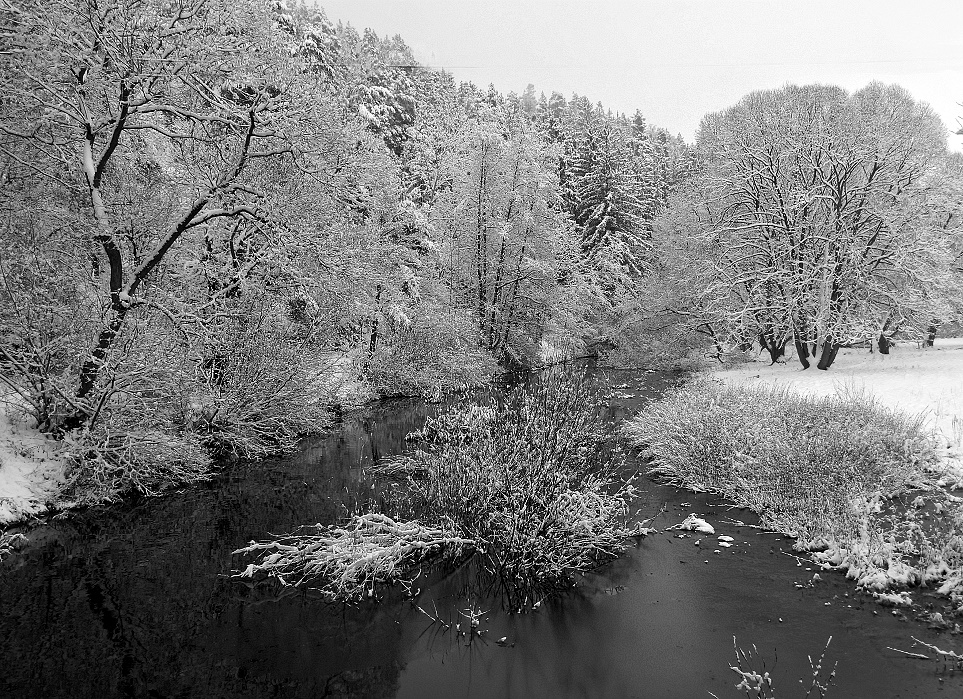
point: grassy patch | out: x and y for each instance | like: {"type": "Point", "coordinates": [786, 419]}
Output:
{"type": "Point", "coordinates": [839, 473]}
{"type": "Point", "coordinates": [524, 484]}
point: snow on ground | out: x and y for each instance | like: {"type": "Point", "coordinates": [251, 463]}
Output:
{"type": "Point", "coordinates": [30, 472]}
{"type": "Point", "coordinates": [915, 380]}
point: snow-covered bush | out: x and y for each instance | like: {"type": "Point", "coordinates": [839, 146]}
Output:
{"type": "Point", "coordinates": [526, 481]}
{"type": "Point", "coordinates": [258, 387]}
{"type": "Point", "coordinates": [431, 356]}
{"type": "Point", "coordinates": [111, 459]}
{"type": "Point", "coordinates": [801, 461]}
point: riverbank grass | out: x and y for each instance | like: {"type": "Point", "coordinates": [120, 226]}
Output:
{"type": "Point", "coordinates": [851, 480]}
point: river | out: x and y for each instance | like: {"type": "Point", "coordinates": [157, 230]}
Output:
{"type": "Point", "coordinates": [134, 601]}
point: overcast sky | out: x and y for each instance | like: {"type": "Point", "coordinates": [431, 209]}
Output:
{"type": "Point", "coordinates": [676, 60]}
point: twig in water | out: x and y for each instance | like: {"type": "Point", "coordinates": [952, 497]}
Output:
{"type": "Point", "coordinates": [912, 655]}
{"type": "Point", "coordinates": [800, 559]}
{"type": "Point", "coordinates": [945, 653]}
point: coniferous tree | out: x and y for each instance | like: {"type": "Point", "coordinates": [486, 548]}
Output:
{"type": "Point", "coordinates": [609, 211]}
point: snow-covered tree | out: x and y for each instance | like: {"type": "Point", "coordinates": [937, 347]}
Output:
{"type": "Point", "coordinates": [815, 205]}
{"type": "Point", "coordinates": [502, 240]}
{"type": "Point", "coordinates": [607, 204]}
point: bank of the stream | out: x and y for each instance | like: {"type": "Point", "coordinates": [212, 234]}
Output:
{"type": "Point", "coordinates": [135, 600]}
{"type": "Point", "coordinates": [863, 471]}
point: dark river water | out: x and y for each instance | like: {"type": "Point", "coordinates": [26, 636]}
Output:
{"type": "Point", "coordinates": [135, 601]}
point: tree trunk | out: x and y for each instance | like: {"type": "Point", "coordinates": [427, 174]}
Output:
{"type": "Point", "coordinates": [373, 339]}
{"type": "Point", "coordinates": [828, 354]}
{"type": "Point", "coordinates": [90, 371]}
{"type": "Point", "coordinates": [883, 343]}
{"type": "Point", "coordinates": [775, 348]}
{"type": "Point", "coordinates": [802, 352]}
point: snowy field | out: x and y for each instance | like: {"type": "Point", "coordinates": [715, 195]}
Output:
{"type": "Point", "coordinates": [922, 381]}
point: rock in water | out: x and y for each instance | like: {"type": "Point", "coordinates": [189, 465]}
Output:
{"type": "Point", "coordinates": [695, 524]}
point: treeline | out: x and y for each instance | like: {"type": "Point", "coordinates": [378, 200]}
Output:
{"type": "Point", "coordinates": [221, 219]}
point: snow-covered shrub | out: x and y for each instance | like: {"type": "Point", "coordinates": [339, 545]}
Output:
{"type": "Point", "coordinates": [131, 441]}
{"type": "Point", "coordinates": [111, 459]}
{"type": "Point", "coordinates": [801, 461]}
{"type": "Point", "coordinates": [526, 481]}
{"type": "Point", "coordinates": [258, 388]}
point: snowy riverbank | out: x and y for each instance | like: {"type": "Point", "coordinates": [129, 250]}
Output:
{"type": "Point", "coordinates": [837, 460]}
{"type": "Point", "coordinates": [30, 472]}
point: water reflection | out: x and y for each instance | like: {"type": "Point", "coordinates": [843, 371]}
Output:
{"type": "Point", "coordinates": [133, 601]}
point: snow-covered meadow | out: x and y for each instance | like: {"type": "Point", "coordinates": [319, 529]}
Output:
{"type": "Point", "coordinates": [927, 381]}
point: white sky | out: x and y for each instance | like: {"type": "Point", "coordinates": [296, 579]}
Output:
{"type": "Point", "coordinates": [676, 60]}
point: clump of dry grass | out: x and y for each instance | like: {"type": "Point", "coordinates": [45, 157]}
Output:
{"type": "Point", "coordinates": [527, 479]}
{"type": "Point", "coordinates": [807, 464]}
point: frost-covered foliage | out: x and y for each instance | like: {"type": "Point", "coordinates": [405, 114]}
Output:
{"type": "Point", "coordinates": [113, 459]}
{"type": "Point", "coordinates": [835, 472]}
{"type": "Point", "coordinates": [429, 356]}
{"type": "Point", "coordinates": [522, 483]}
{"type": "Point", "coordinates": [527, 481]}
{"type": "Point", "coordinates": [262, 386]}
{"type": "Point", "coordinates": [400, 233]}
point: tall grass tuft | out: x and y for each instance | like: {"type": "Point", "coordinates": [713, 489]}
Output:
{"type": "Point", "coordinates": [525, 483]}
